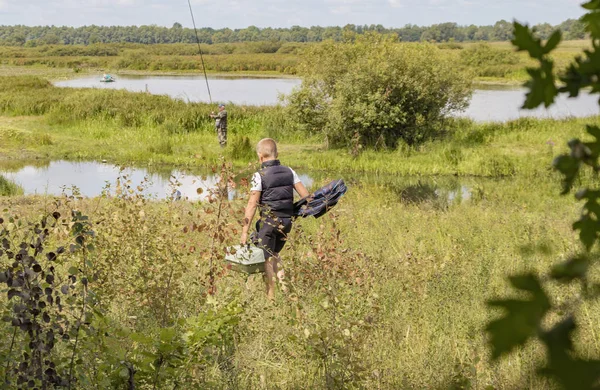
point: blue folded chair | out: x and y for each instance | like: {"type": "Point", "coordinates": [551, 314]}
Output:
{"type": "Point", "coordinates": [321, 201]}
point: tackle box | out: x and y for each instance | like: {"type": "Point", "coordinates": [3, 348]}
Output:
{"type": "Point", "coordinates": [247, 259]}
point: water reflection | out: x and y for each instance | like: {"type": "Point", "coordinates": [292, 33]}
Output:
{"type": "Point", "coordinates": [504, 104]}
{"type": "Point", "coordinates": [92, 178]}
{"type": "Point", "coordinates": [439, 192]}
{"type": "Point", "coordinates": [238, 90]}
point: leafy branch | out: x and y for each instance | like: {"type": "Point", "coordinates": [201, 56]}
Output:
{"type": "Point", "coordinates": [524, 318]}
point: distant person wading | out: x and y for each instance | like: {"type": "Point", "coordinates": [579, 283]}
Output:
{"type": "Point", "coordinates": [221, 125]}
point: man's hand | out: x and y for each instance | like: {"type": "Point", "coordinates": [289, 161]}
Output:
{"type": "Point", "coordinates": [249, 215]}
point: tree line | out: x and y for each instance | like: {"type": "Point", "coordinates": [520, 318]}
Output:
{"type": "Point", "coordinates": [38, 35]}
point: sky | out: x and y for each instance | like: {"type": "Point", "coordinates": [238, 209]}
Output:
{"type": "Point", "coordinates": [283, 13]}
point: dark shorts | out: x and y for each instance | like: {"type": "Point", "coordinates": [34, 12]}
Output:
{"type": "Point", "coordinates": [272, 235]}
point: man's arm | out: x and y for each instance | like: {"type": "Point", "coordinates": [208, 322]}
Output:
{"type": "Point", "coordinates": [249, 214]}
{"type": "Point", "coordinates": [301, 190]}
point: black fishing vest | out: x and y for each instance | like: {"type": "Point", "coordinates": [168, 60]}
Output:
{"type": "Point", "coordinates": [277, 197]}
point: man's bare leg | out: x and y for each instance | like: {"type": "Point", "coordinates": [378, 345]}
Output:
{"type": "Point", "coordinates": [280, 273]}
{"type": "Point", "coordinates": [270, 275]}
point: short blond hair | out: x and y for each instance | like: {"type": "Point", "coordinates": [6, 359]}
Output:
{"type": "Point", "coordinates": [267, 148]}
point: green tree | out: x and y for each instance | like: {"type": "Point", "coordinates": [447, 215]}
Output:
{"type": "Point", "coordinates": [94, 38]}
{"type": "Point", "coordinates": [374, 92]}
{"type": "Point", "coordinates": [533, 313]}
{"type": "Point", "coordinates": [544, 30]}
{"type": "Point", "coordinates": [502, 31]}
{"type": "Point", "coordinates": [573, 29]}
{"type": "Point", "coordinates": [51, 39]}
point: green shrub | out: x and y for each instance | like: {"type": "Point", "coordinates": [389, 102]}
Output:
{"type": "Point", "coordinates": [498, 165]}
{"type": "Point", "coordinates": [240, 148]}
{"type": "Point", "coordinates": [44, 139]}
{"type": "Point", "coordinates": [499, 71]}
{"type": "Point", "coordinates": [165, 146]}
{"type": "Point", "coordinates": [8, 188]}
{"type": "Point", "coordinates": [171, 127]}
{"type": "Point", "coordinates": [451, 46]}
{"type": "Point", "coordinates": [378, 91]}
{"type": "Point", "coordinates": [453, 155]}
{"type": "Point", "coordinates": [483, 54]}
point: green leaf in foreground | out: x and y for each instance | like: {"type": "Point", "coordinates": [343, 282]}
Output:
{"type": "Point", "coordinates": [592, 19]}
{"type": "Point", "coordinates": [542, 89]}
{"type": "Point", "coordinates": [553, 42]}
{"type": "Point", "coordinates": [592, 5]}
{"type": "Point", "coordinates": [522, 316]}
{"type": "Point", "coordinates": [525, 41]}
{"type": "Point", "coordinates": [569, 371]}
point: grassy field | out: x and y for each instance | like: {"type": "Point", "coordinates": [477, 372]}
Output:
{"type": "Point", "coordinates": [387, 291]}
{"type": "Point", "coordinates": [59, 62]}
{"type": "Point", "coordinates": [493, 150]}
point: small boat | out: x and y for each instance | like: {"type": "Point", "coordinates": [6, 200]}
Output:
{"type": "Point", "coordinates": [107, 79]}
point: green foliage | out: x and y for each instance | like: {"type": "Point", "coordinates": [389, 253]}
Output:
{"type": "Point", "coordinates": [163, 147]}
{"type": "Point", "coordinates": [33, 96]}
{"type": "Point", "coordinates": [488, 61]}
{"type": "Point", "coordinates": [269, 38]}
{"type": "Point", "coordinates": [49, 305]}
{"type": "Point", "coordinates": [484, 54]}
{"type": "Point", "coordinates": [375, 92]}
{"type": "Point", "coordinates": [8, 188]}
{"type": "Point", "coordinates": [240, 148]}
{"type": "Point", "coordinates": [524, 319]}
{"type": "Point", "coordinates": [542, 88]}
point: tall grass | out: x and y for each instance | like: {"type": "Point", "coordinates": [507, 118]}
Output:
{"type": "Point", "coordinates": [8, 188]}
{"type": "Point", "coordinates": [273, 57]}
{"type": "Point", "coordinates": [386, 292]}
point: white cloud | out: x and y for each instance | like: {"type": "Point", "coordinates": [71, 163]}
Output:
{"type": "Point", "coordinates": [396, 3]}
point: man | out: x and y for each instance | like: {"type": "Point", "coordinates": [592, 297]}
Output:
{"type": "Point", "coordinates": [221, 125]}
{"type": "Point", "coordinates": [273, 191]}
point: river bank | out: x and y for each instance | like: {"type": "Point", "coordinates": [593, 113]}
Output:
{"type": "Point", "coordinates": [40, 121]}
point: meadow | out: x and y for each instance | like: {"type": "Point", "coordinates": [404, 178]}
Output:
{"type": "Point", "coordinates": [493, 62]}
{"type": "Point", "coordinates": [386, 291]}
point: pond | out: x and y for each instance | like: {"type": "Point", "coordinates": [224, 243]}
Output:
{"type": "Point", "coordinates": [92, 179]}
{"type": "Point", "coordinates": [237, 90]}
{"type": "Point", "coordinates": [490, 103]}
{"type": "Point", "coordinates": [504, 103]}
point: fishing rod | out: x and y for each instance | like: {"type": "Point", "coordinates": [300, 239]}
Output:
{"type": "Point", "coordinates": [200, 51]}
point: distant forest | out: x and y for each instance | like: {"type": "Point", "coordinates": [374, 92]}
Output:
{"type": "Point", "coordinates": [33, 36]}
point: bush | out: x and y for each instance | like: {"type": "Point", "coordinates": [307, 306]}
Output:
{"type": "Point", "coordinates": [8, 188]}
{"type": "Point", "coordinates": [483, 54]}
{"type": "Point", "coordinates": [451, 46]}
{"type": "Point", "coordinates": [241, 149]}
{"type": "Point", "coordinates": [378, 92]}
{"type": "Point", "coordinates": [165, 147]}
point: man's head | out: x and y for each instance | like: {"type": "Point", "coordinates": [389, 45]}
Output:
{"type": "Point", "coordinates": [221, 107]}
{"type": "Point", "coordinates": [266, 150]}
